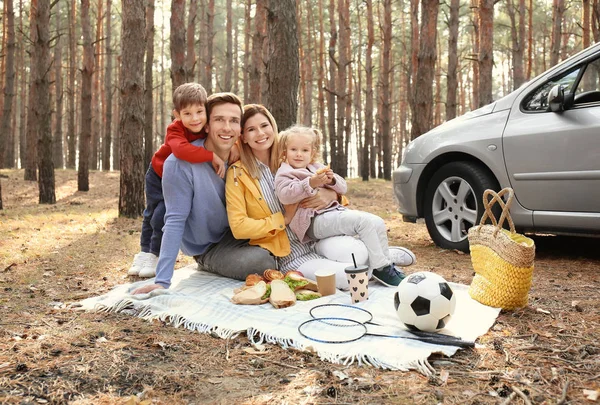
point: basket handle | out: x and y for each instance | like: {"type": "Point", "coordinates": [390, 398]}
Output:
{"type": "Point", "coordinates": [488, 203]}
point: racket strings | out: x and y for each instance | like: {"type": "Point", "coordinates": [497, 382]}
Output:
{"type": "Point", "coordinates": [332, 330]}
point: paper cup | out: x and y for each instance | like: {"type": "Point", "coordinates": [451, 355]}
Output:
{"type": "Point", "coordinates": [325, 282]}
{"type": "Point", "coordinates": [358, 281]}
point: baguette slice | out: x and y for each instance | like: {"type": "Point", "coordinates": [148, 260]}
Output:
{"type": "Point", "coordinates": [323, 169]}
{"type": "Point", "coordinates": [252, 295]}
{"type": "Point", "coordinates": [281, 294]}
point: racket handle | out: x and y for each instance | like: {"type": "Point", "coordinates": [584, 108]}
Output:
{"type": "Point", "coordinates": [445, 341]}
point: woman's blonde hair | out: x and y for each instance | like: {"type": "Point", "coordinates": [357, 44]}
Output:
{"type": "Point", "coordinates": [314, 133]}
{"type": "Point", "coordinates": [246, 156]}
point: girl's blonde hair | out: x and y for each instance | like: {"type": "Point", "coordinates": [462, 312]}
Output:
{"type": "Point", "coordinates": [246, 156]}
{"type": "Point", "coordinates": [314, 133]}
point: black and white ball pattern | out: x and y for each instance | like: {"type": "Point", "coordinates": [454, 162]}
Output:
{"type": "Point", "coordinates": [424, 301]}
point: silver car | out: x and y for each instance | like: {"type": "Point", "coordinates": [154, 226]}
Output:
{"type": "Point", "coordinates": [543, 140]}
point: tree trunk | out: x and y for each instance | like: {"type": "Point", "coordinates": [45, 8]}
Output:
{"type": "Point", "coordinates": [227, 85]}
{"type": "Point", "coordinates": [558, 11]}
{"type": "Point", "coordinates": [451, 76]}
{"type": "Point", "coordinates": [333, 146]}
{"type": "Point", "coordinates": [190, 57]}
{"type": "Point", "coordinates": [414, 54]}
{"type": "Point", "coordinates": [177, 41]}
{"type": "Point", "coordinates": [116, 152]}
{"type": "Point", "coordinates": [386, 73]}
{"type": "Point", "coordinates": [475, 56]}
{"type": "Point", "coordinates": [341, 164]}
{"type": "Point", "coordinates": [423, 116]}
{"type": "Point", "coordinates": [247, 51]}
{"type": "Point", "coordinates": [321, 83]}
{"type": "Point", "coordinates": [585, 5]}
{"type": "Point", "coordinates": [83, 181]}
{"type": "Point", "coordinates": [148, 82]}
{"type": "Point", "coordinates": [257, 69]}
{"type": "Point", "coordinates": [71, 91]}
{"type": "Point", "coordinates": [42, 112]}
{"type": "Point", "coordinates": [31, 138]}
{"type": "Point", "coordinates": [486, 51]}
{"type": "Point", "coordinates": [107, 141]}
{"type": "Point", "coordinates": [9, 85]}
{"type": "Point", "coordinates": [517, 40]}
{"type": "Point", "coordinates": [96, 123]}
{"type": "Point", "coordinates": [57, 154]}
{"type": "Point", "coordinates": [208, 58]}
{"type": "Point", "coordinates": [131, 121]}
{"type": "Point", "coordinates": [530, 41]}
{"type": "Point", "coordinates": [282, 70]}
{"type": "Point", "coordinates": [596, 20]}
{"type": "Point", "coordinates": [368, 144]}
{"type": "Point", "coordinates": [23, 102]}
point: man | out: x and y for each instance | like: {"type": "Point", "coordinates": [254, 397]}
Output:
{"type": "Point", "coordinates": [196, 218]}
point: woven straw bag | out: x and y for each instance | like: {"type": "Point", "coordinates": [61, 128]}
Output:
{"type": "Point", "coordinates": [502, 260]}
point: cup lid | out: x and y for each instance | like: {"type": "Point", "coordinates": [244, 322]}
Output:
{"type": "Point", "coordinates": [357, 269]}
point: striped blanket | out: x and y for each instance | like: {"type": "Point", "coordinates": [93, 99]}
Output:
{"type": "Point", "coordinates": [199, 301]}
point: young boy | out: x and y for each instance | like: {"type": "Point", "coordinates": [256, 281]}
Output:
{"type": "Point", "coordinates": [189, 102]}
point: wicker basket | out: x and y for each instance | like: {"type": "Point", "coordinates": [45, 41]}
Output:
{"type": "Point", "coordinates": [502, 260]}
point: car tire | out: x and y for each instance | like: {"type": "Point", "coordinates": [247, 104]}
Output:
{"type": "Point", "coordinates": [453, 202]}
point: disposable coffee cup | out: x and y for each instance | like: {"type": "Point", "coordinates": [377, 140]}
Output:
{"type": "Point", "coordinates": [358, 281]}
{"type": "Point", "coordinates": [325, 282]}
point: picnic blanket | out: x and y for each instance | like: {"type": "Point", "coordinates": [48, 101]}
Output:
{"type": "Point", "coordinates": [199, 301]}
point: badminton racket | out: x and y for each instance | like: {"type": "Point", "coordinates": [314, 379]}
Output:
{"type": "Point", "coordinates": [345, 320]}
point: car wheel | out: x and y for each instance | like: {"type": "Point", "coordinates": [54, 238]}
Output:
{"type": "Point", "coordinates": [453, 203]}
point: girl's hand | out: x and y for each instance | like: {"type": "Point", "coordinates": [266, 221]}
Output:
{"type": "Point", "coordinates": [330, 177]}
{"type": "Point", "coordinates": [318, 180]}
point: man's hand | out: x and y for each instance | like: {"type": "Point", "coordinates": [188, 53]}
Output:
{"type": "Point", "coordinates": [218, 165]}
{"type": "Point", "coordinates": [321, 200]}
{"type": "Point", "coordinates": [147, 288]}
{"type": "Point", "coordinates": [234, 154]}
{"type": "Point", "coordinates": [289, 210]}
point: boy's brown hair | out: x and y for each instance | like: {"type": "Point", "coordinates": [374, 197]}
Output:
{"type": "Point", "coordinates": [222, 98]}
{"type": "Point", "coordinates": [188, 94]}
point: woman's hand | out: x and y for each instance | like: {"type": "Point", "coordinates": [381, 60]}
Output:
{"type": "Point", "coordinates": [320, 200]}
{"type": "Point", "coordinates": [289, 210]}
{"type": "Point", "coordinates": [147, 288]}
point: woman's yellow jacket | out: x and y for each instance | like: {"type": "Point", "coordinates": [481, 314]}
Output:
{"type": "Point", "coordinates": [249, 215]}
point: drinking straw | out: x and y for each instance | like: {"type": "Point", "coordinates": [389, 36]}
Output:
{"type": "Point", "coordinates": [354, 260]}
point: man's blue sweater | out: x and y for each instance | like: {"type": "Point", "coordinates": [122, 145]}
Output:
{"type": "Point", "coordinates": [195, 212]}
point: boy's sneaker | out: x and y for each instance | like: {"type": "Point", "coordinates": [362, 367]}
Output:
{"type": "Point", "coordinates": [149, 268]}
{"type": "Point", "coordinates": [389, 275]}
{"type": "Point", "coordinates": [138, 262]}
{"type": "Point", "coordinates": [402, 256]}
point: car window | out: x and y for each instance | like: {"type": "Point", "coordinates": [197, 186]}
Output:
{"type": "Point", "coordinates": [588, 89]}
{"type": "Point", "coordinates": [538, 100]}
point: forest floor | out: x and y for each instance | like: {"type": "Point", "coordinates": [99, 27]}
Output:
{"type": "Point", "coordinates": [53, 255]}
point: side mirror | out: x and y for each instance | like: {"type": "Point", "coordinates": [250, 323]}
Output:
{"type": "Point", "coordinates": [556, 98]}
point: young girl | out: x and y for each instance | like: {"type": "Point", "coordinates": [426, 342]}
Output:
{"type": "Point", "coordinates": [300, 176]}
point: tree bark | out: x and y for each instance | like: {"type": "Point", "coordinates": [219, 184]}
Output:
{"type": "Point", "coordinates": [9, 85]}
{"type": "Point", "coordinates": [423, 115]}
{"type": "Point", "coordinates": [107, 140]}
{"type": "Point", "coordinates": [87, 70]}
{"type": "Point", "coordinates": [208, 58]}
{"type": "Point", "coordinates": [71, 91]}
{"type": "Point", "coordinates": [177, 43]}
{"type": "Point", "coordinates": [148, 82]}
{"type": "Point", "coordinates": [282, 71]}
{"type": "Point", "coordinates": [58, 86]}
{"type": "Point", "coordinates": [131, 120]}
{"type": "Point", "coordinates": [331, 91]}
{"type": "Point", "coordinates": [386, 73]}
{"type": "Point", "coordinates": [367, 164]}
{"type": "Point", "coordinates": [96, 118]}
{"type": "Point", "coordinates": [257, 69]}
{"type": "Point", "coordinates": [341, 165]}
{"type": "Point", "coordinates": [486, 51]}
{"type": "Point", "coordinates": [558, 11]}
{"type": "Point", "coordinates": [42, 112]}
{"type": "Point", "coordinates": [190, 57]}
{"type": "Point", "coordinates": [31, 138]}
{"type": "Point", "coordinates": [321, 83]}
{"type": "Point", "coordinates": [227, 85]}
{"type": "Point", "coordinates": [247, 51]}
{"type": "Point", "coordinates": [451, 76]}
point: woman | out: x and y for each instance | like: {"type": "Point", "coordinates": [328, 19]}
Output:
{"type": "Point", "coordinates": [256, 214]}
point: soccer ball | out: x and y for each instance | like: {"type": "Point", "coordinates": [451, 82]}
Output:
{"type": "Point", "coordinates": [424, 301]}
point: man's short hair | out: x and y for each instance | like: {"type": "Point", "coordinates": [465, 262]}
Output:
{"type": "Point", "coordinates": [222, 98]}
{"type": "Point", "coordinates": [188, 94]}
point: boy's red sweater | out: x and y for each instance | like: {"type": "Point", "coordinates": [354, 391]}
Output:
{"type": "Point", "coordinates": [177, 142]}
